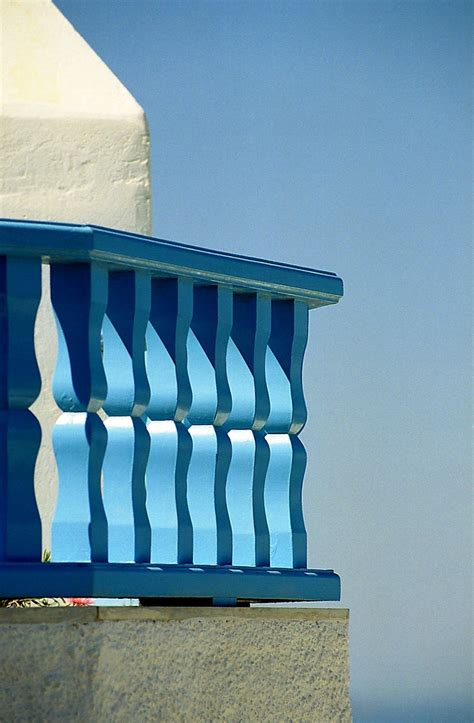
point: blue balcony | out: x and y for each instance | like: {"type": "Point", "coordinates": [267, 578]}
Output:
{"type": "Point", "coordinates": [179, 384]}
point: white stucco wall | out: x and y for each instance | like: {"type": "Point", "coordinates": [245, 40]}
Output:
{"type": "Point", "coordinates": [174, 664]}
{"type": "Point", "coordinates": [74, 146]}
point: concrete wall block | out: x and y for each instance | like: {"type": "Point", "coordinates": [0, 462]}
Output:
{"type": "Point", "coordinates": [176, 664]}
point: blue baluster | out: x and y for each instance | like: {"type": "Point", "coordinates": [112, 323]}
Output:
{"type": "Point", "coordinates": [246, 362]}
{"type": "Point", "coordinates": [128, 394]}
{"type": "Point", "coordinates": [284, 366]}
{"type": "Point", "coordinates": [287, 416]}
{"type": "Point", "coordinates": [79, 297]}
{"type": "Point", "coordinates": [245, 498]}
{"type": "Point", "coordinates": [170, 400]}
{"type": "Point", "coordinates": [166, 338]}
{"type": "Point", "coordinates": [223, 526]}
{"type": "Point", "coordinates": [250, 408]}
{"type": "Point", "coordinates": [207, 476]}
{"type": "Point", "coordinates": [124, 328]}
{"type": "Point", "coordinates": [167, 504]}
{"type": "Point", "coordinates": [207, 353]}
{"type": "Point", "coordinates": [20, 524]}
{"type": "Point", "coordinates": [298, 530]}
{"type": "Point", "coordinates": [20, 291]}
{"type": "Point", "coordinates": [129, 532]}
{"type": "Point", "coordinates": [240, 497]}
{"type": "Point", "coordinates": [262, 537]}
{"type": "Point", "coordinates": [283, 501]}
{"type": "Point", "coordinates": [201, 476]}
{"type": "Point", "coordinates": [79, 530]}
{"type": "Point", "coordinates": [20, 433]}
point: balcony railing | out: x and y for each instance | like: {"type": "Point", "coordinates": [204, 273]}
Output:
{"type": "Point", "coordinates": [179, 384]}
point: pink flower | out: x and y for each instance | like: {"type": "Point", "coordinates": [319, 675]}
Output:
{"type": "Point", "coordinates": [80, 600]}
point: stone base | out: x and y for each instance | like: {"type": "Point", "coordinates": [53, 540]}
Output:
{"type": "Point", "coordinates": [174, 664]}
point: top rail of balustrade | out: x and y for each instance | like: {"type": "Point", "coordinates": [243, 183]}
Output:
{"type": "Point", "coordinates": [60, 242]}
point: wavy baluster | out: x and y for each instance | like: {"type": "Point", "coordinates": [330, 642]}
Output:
{"type": "Point", "coordinates": [245, 498]}
{"type": "Point", "coordinates": [277, 500]}
{"type": "Point", "coordinates": [171, 398]}
{"type": "Point", "coordinates": [20, 291]}
{"type": "Point", "coordinates": [79, 530]}
{"type": "Point", "coordinates": [262, 537]}
{"type": "Point", "coordinates": [167, 504]}
{"type": "Point", "coordinates": [298, 530]}
{"type": "Point", "coordinates": [79, 298]}
{"type": "Point", "coordinates": [20, 432]}
{"type": "Point", "coordinates": [20, 524]}
{"type": "Point", "coordinates": [283, 501]}
{"type": "Point", "coordinates": [166, 358]}
{"type": "Point", "coordinates": [246, 362]}
{"type": "Point", "coordinates": [124, 328]}
{"type": "Point", "coordinates": [284, 365]}
{"type": "Point", "coordinates": [129, 532]}
{"type": "Point", "coordinates": [207, 476]}
{"type": "Point", "coordinates": [240, 498]}
{"type": "Point", "coordinates": [207, 350]}
{"type": "Point", "coordinates": [223, 526]}
{"type": "Point", "coordinates": [201, 476]}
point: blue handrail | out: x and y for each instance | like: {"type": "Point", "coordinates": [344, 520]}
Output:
{"type": "Point", "coordinates": [179, 380]}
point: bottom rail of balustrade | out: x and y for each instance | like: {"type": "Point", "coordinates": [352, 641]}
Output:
{"type": "Point", "coordinates": [167, 584]}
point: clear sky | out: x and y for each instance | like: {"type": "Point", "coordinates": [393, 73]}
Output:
{"type": "Point", "coordinates": [337, 135]}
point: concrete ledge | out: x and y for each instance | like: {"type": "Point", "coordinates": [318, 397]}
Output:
{"type": "Point", "coordinates": [174, 664]}
{"type": "Point", "coordinates": [18, 616]}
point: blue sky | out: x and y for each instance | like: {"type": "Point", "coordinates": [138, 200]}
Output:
{"type": "Point", "coordinates": [337, 135]}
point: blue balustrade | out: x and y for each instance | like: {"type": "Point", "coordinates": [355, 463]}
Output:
{"type": "Point", "coordinates": [179, 384]}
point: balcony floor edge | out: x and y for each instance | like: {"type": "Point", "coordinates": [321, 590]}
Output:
{"type": "Point", "coordinates": [145, 580]}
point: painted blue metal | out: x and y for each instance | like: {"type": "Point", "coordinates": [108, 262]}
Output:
{"type": "Point", "coordinates": [79, 299]}
{"type": "Point", "coordinates": [167, 358]}
{"type": "Point", "coordinates": [240, 497]}
{"type": "Point", "coordinates": [283, 501]}
{"type": "Point", "coordinates": [117, 249]}
{"type": "Point", "coordinates": [298, 530]}
{"type": "Point", "coordinates": [123, 331]}
{"type": "Point", "coordinates": [167, 501]}
{"type": "Point", "coordinates": [201, 494]}
{"type": "Point", "coordinates": [246, 363]}
{"type": "Point", "coordinates": [223, 526]}
{"type": "Point", "coordinates": [20, 433]}
{"type": "Point", "coordinates": [284, 366]}
{"type": "Point", "coordinates": [162, 500]}
{"type": "Point", "coordinates": [20, 524]}
{"type": "Point", "coordinates": [124, 490]}
{"type": "Point", "coordinates": [20, 292]}
{"type": "Point", "coordinates": [250, 332]}
{"type": "Point", "coordinates": [79, 530]}
{"type": "Point", "coordinates": [193, 484]}
{"type": "Point", "coordinates": [207, 353]}
{"type": "Point", "coordinates": [260, 468]}
{"type": "Point", "coordinates": [138, 580]}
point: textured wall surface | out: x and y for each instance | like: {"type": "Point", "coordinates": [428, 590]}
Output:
{"type": "Point", "coordinates": [74, 146]}
{"type": "Point", "coordinates": [174, 664]}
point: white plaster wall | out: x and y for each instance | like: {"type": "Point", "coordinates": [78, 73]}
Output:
{"type": "Point", "coordinates": [74, 146]}
{"type": "Point", "coordinates": [175, 664]}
